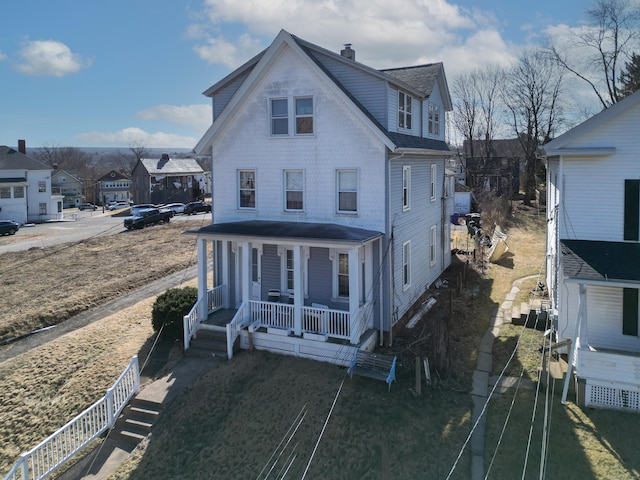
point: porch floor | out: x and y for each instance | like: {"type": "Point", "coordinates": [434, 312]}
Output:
{"type": "Point", "coordinates": [221, 317]}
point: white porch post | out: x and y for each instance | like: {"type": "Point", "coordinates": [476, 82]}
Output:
{"type": "Point", "coordinates": [245, 265]}
{"type": "Point", "coordinates": [298, 293]}
{"type": "Point", "coordinates": [225, 272]}
{"type": "Point", "coordinates": [368, 273]}
{"type": "Point", "coordinates": [202, 279]}
{"type": "Point", "coordinates": [582, 308]}
{"type": "Point", "coordinates": [354, 295]}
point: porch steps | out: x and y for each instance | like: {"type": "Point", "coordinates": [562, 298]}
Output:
{"type": "Point", "coordinates": [526, 314]}
{"type": "Point", "coordinates": [135, 422]}
{"type": "Point", "coordinates": [209, 342]}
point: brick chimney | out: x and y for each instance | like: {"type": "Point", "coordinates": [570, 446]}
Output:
{"type": "Point", "coordinates": [347, 52]}
{"type": "Point", "coordinates": [22, 147]}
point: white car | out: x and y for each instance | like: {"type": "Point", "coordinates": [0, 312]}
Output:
{"type": "Point", "coordinates": [175, 207]}
{"type": "Point", "coordinates": [118, 206]}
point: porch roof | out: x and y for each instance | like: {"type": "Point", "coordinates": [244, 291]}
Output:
{"type": "Point", "coordinates": [288, 230]}
{"type": "Point", "coordinates": [600, 261]}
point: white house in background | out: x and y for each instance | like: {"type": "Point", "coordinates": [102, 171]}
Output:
{"type": "Point", "coordinates": [69, 186]}
{"type": "Point", "coordinates": [25, 188]}
{"type": "Point", "coordinates": [593, 252]}
{"type": "Point", "coordinates": [331, 204]}
{"type": "Point", "coordinates": [114, 187]}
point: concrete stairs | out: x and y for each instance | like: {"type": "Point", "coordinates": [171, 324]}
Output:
{"type": "Point", "coordinates": [135, 422]}
{"type": "Point", "coordinates": [527, 314]}
{"type": "Point", "coordinates": [209, 342]}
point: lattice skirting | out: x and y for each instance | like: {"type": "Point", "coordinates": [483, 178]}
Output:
{"type": "Point", "coordinates": [625, 397]}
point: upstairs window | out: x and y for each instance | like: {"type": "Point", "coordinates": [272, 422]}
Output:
{"type": "Point", "coordinates": [293, 190]}
{"type": "Point", "coordinates": [404, 111]}
{"type": "Point", "coordinates": [42, 186]}
{"type": "Point", "coordinates": [247, 188]}
{"type": "Point", "coordinates": [5, 192]}
{"type": "Point", "coordinates": [279, 116]}
{"type": "Point", "coordinates": [406, 265]}
{"type": "Point", "coordinates": [304, 116]}
{"type": "Point", "coordinates": [434, 171]}
{"type": "Point", "coordinates": [347, 191]}
{"type": "Point", "coordinates": [434, 119]}
{"type": "Point", "coordinates": [406, 188]}
{"type": "Point", "coordinates": [18, 192]}
{"type": "Point", "coordinates": [433, 238]}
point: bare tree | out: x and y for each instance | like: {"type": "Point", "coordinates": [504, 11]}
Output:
{"type": "Point", "coordinates": [533, 97]}
{"type": "Point", "coordinates": [595, 52]}
{"type": "Point", "coordinates": [72, 159]}
{"type": "Point", "coordinates": [128, 161]}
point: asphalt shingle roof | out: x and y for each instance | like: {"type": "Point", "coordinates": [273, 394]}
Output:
{"type": "Point", "coordinates": [601, 261]}
{"type": "Point", "coordinates": [292, 230]}
{"type": "Point", "coordinates": [11, 159]}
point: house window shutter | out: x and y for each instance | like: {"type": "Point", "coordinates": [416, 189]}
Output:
{"type": "Point", "coordinates": [630, 311]}
{"type": "Point", "coordinates": [631, 210]}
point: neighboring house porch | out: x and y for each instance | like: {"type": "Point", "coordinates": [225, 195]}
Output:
{"type": "Point", "coordinates": [601, 282]}
{"type": "Point", "coordinates": [309, 290]}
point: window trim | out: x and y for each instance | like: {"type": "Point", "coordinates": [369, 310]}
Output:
{"type": "Point", "coordinates": [42, 186]}
{"type": "Point", "coordinates": [433, 239]}
{"type": "Point", "coordinates": [434, 172]}
{"type": "Point", "coordinates": [296, 116]}
{"type": "Point", "coordinates": [406, 188]}
{"type": "Point", "coordinates": [338, 191]}
{"type": "Point", "coordinates": [292, 116]}
{"type": "Point", "coordinates": [249, 188]}
{"type": "Point", "coordinates": [286, 190]}
{"type": "Point", "coordinates": [404, 111]}
{"type": "Point", "coordinates": [433, 119]}
{"type": "Point", "coordinates": [273, 118]}
{"type": "Point", "coordinates": [406, 265]}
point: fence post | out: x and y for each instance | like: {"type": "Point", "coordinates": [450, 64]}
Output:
{"type": "Point", "coordinates": [136, 372]}
{"type": "Point", "coordinates": [110, 416]}
{"type": "Point", "coordinates": [185, 331]}
{"type": "Point", "coordinates": [24, 465]}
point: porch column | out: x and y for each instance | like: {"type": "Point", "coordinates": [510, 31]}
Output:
{"type": "Point", "coordinates": [354, 295]}
{"type": "Point", "coordinates": [582, 308]}
{"type": "Point", "coordinates": [298, 293]}
{"type": "Point", "coordinates": [202, 279]}
{"type": "Point", "coordinates": [245, 266]}
{"type": "Point", "coordinates": [225, 273]}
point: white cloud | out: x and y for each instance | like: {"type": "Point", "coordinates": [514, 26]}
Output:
{"type": "Point", "coordinates": [2, 57]}
{"type": "Point", "coordinates": [49, 58]}
{"type": "Point", "coordinates": [197, 117]}
{"type": "Point", "coordinates": [384, 33]}
{"type": "Point", "coordinates": [136, 136]}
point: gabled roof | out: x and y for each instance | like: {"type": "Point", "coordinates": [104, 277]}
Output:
{"type": "Point", "coordinates": [113, 175]}
{"type": "Point", "coordinates": [424, 78]}
{"type": "Point", "coordinates": [258, 65]}
{"type": "Point", "coordinates": [171, 166]}
{"type": "Point", "coordinates": [561, 144]}
{"type": "Point", "coordinates": [11, 159]}
{"type": "Point", "coordinates": [600, 261]}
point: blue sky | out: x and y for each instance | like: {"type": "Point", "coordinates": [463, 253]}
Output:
{"type": "Point", "coordinates": [116, 73]}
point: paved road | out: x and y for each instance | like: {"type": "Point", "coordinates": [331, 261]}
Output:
{"type": "Point", "coordinates": [76, 227]}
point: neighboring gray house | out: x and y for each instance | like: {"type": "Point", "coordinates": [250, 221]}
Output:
{"type": "Point", "coordinates": [25, 188]}
{"type": "Point", "coordinates": [69, 186]}
{"type": "Point", "coordinates": [593, 253]}
{"type": "Point", "coordinates": [114, 187]}
{"type": "Point", "coordinates": [331, 205]}
{"type": "Point", "coordinates": [168, 180]}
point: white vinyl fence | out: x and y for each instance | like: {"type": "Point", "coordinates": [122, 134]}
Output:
{"type": "Point", "coordinates": [51, 453]}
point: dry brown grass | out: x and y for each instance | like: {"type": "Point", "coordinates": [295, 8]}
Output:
{"type": "Point", "coordinates": [43, 287]}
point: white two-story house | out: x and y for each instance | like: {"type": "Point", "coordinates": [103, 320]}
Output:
{"type": "Point", "coordinates": [593, 252]}
{"type": "Point", "coordinates": [331, 203]}
{"type": "Point", "coordinates": [25, 188]}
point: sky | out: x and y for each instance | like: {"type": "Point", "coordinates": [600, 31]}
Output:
{"type": "Point", "coordinates": [122, 73]}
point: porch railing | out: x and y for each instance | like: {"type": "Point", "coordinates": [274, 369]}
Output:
{"type": "Point", "coordinates": [51, 453]}
{"type": "Point", "coordinates": [214, 301]}
{"type": "Point", "coordinates": [333, 323]}
{"type": "Point", "coordinates": [236, 324]}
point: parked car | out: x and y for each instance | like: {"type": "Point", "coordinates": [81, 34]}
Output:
{"type": "Point", "coordinates": [118, 206]}
{"type": "Point", "coordinates": [175, 207]}
{"type": "Point", "coordinates": [8, 227]}
{"type": "Point", "coordinates": [150, 216]}
{"type": "Point", "coordinates": [137, 209]}
{"type": "Point", "coordinates": [87, 206]}
{"type": "Point", "coordinates": [192, 208]}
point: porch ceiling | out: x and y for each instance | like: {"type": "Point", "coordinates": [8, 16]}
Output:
{"type": "Point", "coordinates": [601, 261]}
{"type": "Point", "coordinates": [328, 232]}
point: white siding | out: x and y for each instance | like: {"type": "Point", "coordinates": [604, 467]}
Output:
{"type": "Point", "coordinates": [604, 328]}
{"type": "Point", "coordinates": [340, 140]}
{"type": "Point", "coordinates": [392, 102]}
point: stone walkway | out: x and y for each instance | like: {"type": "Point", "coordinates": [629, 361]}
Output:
{"type": "Point", "coordinates": [483, 382]}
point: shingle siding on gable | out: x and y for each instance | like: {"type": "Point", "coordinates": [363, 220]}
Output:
{"type": "Point", "coordinates": [223, 96]}
{"type": "Point", "coordinates": [340, 140]}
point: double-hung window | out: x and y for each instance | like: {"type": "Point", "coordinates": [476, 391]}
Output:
{"type": "Point", "coordinates": [434, 172]}
{"type": "Point", "coordinates": [18, 192]}
{"type": "Point", "coordinates": [42, 186]}
{"type": "Point", "coordinates": [347, 191]}
{"type": "Point", "coordinates": [293, 190]}
{"type": "Point", "coordinates": [434, 119]}
{"type": "Point", "coordinates": [406, 264]}
{"type": "Point", "coordinates": [5, 192]}
{"type": "Point", "coordinates": [432, 245]}
{"type": "Point", "coordinates": [304, 115]}
{"type": "Point", "coordinates": [247, 188]}
{"type": "Point", "coordinates": [279, 116]}
{"type": "Point", "coordinates": [406, 188]}
{"type": "Point", "coordinates": [404, 111]}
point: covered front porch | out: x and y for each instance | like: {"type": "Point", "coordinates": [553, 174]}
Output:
{"type": "Point", "coordinates": [312, 291]}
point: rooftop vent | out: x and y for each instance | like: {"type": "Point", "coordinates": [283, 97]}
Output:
{"type": "Point", "coordinates": [348, 52]}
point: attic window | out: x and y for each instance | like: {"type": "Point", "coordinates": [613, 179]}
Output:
{"type": "Point", "coordinates": [434, 119]}
{"type": "Point", "coordinates": [404, 111]}
{"type": "Point", "coordinates": [291, 116]}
